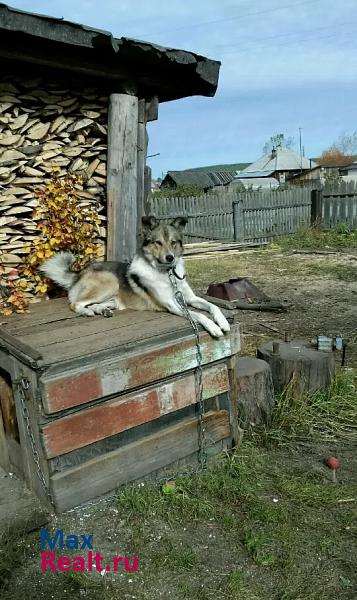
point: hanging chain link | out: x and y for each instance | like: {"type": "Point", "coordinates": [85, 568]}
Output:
{"type": "Point", "coordinates": [198, 371]}
{"type": "Point", "coordinates": [23, 386]}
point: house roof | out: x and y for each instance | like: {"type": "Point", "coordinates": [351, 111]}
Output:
{"type": "Point", "coordinates": [253, 174]}
{"type": "Point", "coordinates": [225, 167]}
{"type": "Point", "coordinates": [121, 64]}
{"type": "Point", "coordinates": [281, 159]}
{"type": "Point", "coordinates": [201, 178]}
{"type": "Point", "coordinates": [351, 167]}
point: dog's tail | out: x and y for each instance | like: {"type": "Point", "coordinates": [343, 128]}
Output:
{"type": "Point", "coordinates": [57, 269]}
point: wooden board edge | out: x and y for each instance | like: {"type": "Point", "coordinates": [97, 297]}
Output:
{"type": "Point", "coordinates": [103, 474]}
{"type": "Point", "coordinates": [61, 435]}
{"type": "Point", "coordinates": [93, 376]}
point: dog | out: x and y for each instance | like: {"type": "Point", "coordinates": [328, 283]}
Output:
{"type": "Point", "coordinates": [143, 284]}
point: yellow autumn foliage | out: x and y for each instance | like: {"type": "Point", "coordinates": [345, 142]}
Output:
{"type": "Point", "coordinates": [62, 225]}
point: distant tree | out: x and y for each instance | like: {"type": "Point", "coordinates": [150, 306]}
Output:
{"type": "Point", "coordinates": [278, 139]}
{"type": "Point", "coordinates": [333, 157]}
{"type": "Point", "coordinates": [347, 143]}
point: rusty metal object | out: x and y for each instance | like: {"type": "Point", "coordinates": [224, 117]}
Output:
{"type": "Point", "coordinates": [237, 289]}
{"type": "Point", "coordinates": [243, 294]}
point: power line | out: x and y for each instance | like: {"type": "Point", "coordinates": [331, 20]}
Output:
{"type": "Point", "coordinates": [285, 45]}
{"type": "Point", "coordinates": [271, 37]}
{"type": "Point", "coordinates": [238, 17]}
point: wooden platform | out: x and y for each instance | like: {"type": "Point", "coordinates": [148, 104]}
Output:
{"type": "Point", "coordinates": [109, 400]}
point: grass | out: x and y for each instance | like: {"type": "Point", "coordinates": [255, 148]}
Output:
{"type": "Point", "coordinates": [286, 517]}
{"type": "Point", "coordinates": [312, 238]}
{"type": "Point", "coordinates": [277, 259]}
{"type": "Point", "coordinates": [325, 416]}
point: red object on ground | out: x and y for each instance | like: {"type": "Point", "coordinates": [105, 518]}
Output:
{"type": "Point", "coordinates": [332, 462]}
{"type": "Point", "coordinates": [239, 288]}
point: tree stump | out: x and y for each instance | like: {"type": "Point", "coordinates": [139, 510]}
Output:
{"type": "Point", "coordinates": [256, 392]}
{"type": "Point", "coordinates": [310, 369]}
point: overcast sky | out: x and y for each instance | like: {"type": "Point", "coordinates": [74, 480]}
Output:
{"type": "Point", "coordinates": [285, 64]}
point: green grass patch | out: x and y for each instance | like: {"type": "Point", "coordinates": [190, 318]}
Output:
{"type": "Point", "coordinates": [312, 238]}
{"type": "Point", "coordinates": [286, 516]}
{"type": "Point", "coordinates": [328, 415]}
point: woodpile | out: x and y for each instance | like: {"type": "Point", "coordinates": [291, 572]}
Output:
{"type": "Point", "coordinates": [45, 126]}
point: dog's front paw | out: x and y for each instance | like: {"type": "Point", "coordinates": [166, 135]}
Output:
{"type": "Point", "coordinates": [214, 330]}
{"type": "Point", "coordinates": [222, 322]}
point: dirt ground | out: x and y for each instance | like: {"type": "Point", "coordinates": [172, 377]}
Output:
{"type": "Point", "coordinates": [270, 526]}
{"type": "Point", "coordinates": [319, 289]}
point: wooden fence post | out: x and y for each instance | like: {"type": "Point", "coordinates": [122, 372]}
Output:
{"type": "Point", "coordinates": [316, 208]}
{"type": "Point", "coordinates": [238, 225]}
{"type": "Point", "coordinates": [122, 177]}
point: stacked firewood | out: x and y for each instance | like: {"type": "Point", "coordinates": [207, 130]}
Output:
{"type": "Point", "coordinates": [44, 127]}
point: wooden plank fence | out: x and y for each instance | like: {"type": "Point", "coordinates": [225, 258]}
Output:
{"type": "Point", "coordinates": [339, 205]}
{"type": "Point", "coordinates": [210, 217]}
{"type": "Point", "coordinates": [258, 217]}
{"type": "Point", "coordinates": [267, 215]}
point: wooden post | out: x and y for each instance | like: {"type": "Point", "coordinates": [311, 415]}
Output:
{"type": "Point", "coordinates": [122, 177]}
{"type": "Point", "coordinates": [238, 221]}
{"type": "Point", "coordinates": [147, 188]}
{"type": "Point", "coordinates": [141, 162]}
{"type": "Point", "coordinates": [316, 208]}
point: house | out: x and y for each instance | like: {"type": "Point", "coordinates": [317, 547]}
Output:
{"type": "Point", "coordinates": [349, 172]}
{"type": "Point", "coordinates": [281, 163]}
{"type": "Point", "coordinates": [255, 181]}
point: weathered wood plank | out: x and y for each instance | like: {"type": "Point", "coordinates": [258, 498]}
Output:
{"type": "Point", "coordinates": [101, 341]}
{"type": "Point", "coordinates": [122, 177]}
{"type": "Point", "coordinates": [40, 313]}
{"type": "Point", "coordinates": [7, 406]}
{"type": "Point", "coordinates": [152, 109]}
{"type": "Point", "coordinates": [64, 390]}
{"type": "Point", "coordinates": [49, 333]}
{"type": "Point", "coordinates": [103, 474]}
{"type": "Point", "coordinates": [4, 453]}
{"type": "Point", "coordinates": [141, 162]}
{"type": "Point", "coordinates": [120, 414]}
{"type": "Point", "coordinates": [29, 465]}
{"type": "Point", "coordinates": [19, 349]}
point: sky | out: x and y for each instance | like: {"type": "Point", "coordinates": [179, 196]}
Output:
{"type": "Point", "coordinates": [286, 64]}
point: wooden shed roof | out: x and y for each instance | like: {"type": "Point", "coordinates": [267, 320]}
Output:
{"type": "Point", "coordinates": [122, 64]}
{"type": "Point", "coordinates": [201, 178]}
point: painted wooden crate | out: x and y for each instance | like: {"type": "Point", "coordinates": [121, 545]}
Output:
{"type": "Point", "coordinates": [109, 400]}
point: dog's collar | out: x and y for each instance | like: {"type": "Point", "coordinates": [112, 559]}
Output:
{"type": "Point", "coordinates": [177, 275]}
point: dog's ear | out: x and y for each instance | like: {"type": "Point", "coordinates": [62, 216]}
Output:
{"type": "Point", "coordinates": [179, 223]}
{"type": "Point", "coordinates": [149, 223]}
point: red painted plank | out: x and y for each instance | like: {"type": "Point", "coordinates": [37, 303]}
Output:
{"type": "Point", "coordinates": [75, 389]}
{"type": "Point", "coordinates": [125, 373]}
{"type": "Point", "coordinates": [115, 416]}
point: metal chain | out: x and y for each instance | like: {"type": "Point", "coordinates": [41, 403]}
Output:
{"type": "Point", "coordinates": [23, 385]}
{"type": "Point", "coordinates": [198, 371]}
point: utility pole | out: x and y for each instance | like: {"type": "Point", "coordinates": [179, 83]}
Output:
{"type": "Point", "coordinates": [300, 148]}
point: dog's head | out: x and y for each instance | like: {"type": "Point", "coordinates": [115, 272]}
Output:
{"type": "Point", "coordinates": [162, 244]}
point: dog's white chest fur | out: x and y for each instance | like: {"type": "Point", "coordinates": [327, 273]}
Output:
{"type": "Point", "coordinates": [156, 281]}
